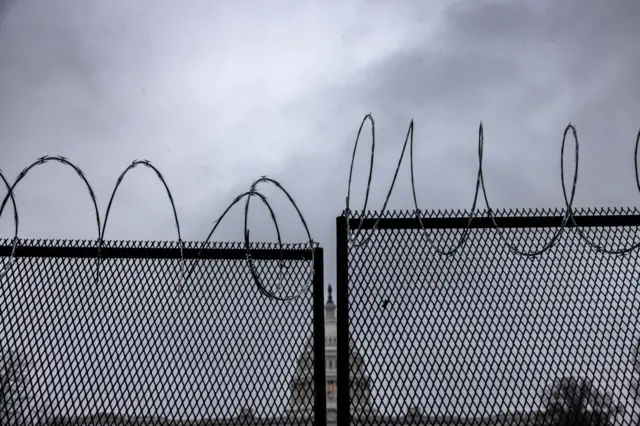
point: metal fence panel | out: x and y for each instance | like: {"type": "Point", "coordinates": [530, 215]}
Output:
{"type": "Point", "coordinates": [136, 347]}
{"type": "Point", "coordinates": [485, 335]}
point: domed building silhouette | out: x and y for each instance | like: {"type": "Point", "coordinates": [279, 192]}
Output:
{"type": "Point", "coordinates": [362, 410]}
{"type": "Point", "coordinates": [300, 408]}
{"type": "Point", "coordinates": [302, 382]}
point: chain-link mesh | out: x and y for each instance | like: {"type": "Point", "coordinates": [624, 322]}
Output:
{"type": "Point", "coordinates": [486, 336]}
{"type": "Point", "coordinates": [135, 348]}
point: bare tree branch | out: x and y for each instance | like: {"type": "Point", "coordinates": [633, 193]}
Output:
{"type": "Point", "coordinates": [576, 401]}
{"type": "Point", "coordinates": [12, 388]}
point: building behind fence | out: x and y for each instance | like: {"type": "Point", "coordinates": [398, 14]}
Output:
{"type": "Point", "coordinates": [518, 324]}
{"type": "Point", "coordinates": [140, 346]}
{"type": "Point", "coordinates": [464, 322]}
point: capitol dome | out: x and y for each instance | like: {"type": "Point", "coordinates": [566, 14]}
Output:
{"type": "Point", "coordinates": [302, 383]}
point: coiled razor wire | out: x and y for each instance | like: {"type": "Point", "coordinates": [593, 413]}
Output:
{"type": "Point", "coordinates": [102, 225]}
{"type": "Point", "coordinates": [7, 263]}
{"type": "Point", "coordinates": [480, 186]}
{"type": "Point", "coordinates": [147, 164]}
{"type": "Point", "coordinates": [252, 268]}
{"type": "Point", "coordinates": [10, 194]}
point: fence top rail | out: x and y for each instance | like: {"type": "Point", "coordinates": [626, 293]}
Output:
{"type": "Point", "coordinates": [114, 249]}
{"type": "Point", "coordinates": [514, 218]}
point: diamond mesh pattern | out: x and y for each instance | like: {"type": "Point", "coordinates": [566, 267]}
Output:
{"type": "Point", "coordinates": [135, 349]}
{"type": "Point", "coordinates": [485, 336]}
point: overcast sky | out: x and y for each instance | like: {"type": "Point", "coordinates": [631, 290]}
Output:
{"type": "Point", "coordinates": [217, 94]}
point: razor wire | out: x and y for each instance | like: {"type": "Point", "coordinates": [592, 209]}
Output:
{"type": "Point", "coordinates": [101, 225]}
{"type": "Point", "coordinates": [16, 221]}
{"type": "Point", "coordinates": [480, 187]}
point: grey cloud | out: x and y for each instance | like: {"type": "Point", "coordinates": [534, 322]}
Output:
{"type": "Point", "coordinates": [5, 7]}
{"type": "Point", "coordinates": [525, 70]}
{"type": "Point", "coordinates": [577, 27]}
{"type": "Point", "coordinates": [475, 75]}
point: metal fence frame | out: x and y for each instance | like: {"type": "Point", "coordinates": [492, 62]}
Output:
{"type": "Point", "coordinates": [346, 224]}
{"type": "Point", "coordinates": [230, 251]}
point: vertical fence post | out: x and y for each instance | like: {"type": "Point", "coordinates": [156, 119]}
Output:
{"type": "Point", "coordinates": [342, 326]}
{"type": "Point", "coordinates": [319, 369]}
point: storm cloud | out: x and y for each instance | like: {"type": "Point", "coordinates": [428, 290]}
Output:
{"type": "Point", "coordinates": [216, 95]}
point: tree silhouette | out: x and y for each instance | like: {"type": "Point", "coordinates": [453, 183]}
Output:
{"type": "Point", "coordinates": [635, 382]}
{"type": "Point", "coordinates": [12, 388]}
{"type": "Point", "coordinates": [577, 402]}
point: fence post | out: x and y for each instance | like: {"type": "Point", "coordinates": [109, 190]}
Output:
{"type": "Point", "coordinates": [319, 368]}
{"type": "Point", "coordinates": [342, 321]}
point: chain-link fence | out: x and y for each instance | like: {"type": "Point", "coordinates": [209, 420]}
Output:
{"type": "Point", "coordinates": [485, 335]}
{"type": "Point", "coordinates": [122, 339]}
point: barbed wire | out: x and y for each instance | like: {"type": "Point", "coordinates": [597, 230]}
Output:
{"type": "Point", "coordinates": [147, 164]}
{"type": "Point", "coordinates": [480, 187]}
{"type": "Point", "coordinates": [101, 225]}
{"type": "Point", "coordinates": [251, 193]}
{"type": "Point", "coordinates": [7, 263]}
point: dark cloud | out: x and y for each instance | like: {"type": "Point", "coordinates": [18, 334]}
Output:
{"type": "Point", "coordinates": [106, 85]}
{"type": "Point", "coordinates": [526, 70]}
{"type": "Point", "coordinates": [5, 6]}
{"type": "Point", "coordinates": [216, 99]}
